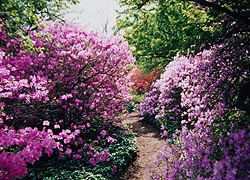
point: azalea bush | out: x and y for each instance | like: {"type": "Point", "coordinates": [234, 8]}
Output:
{"type": "Point", "coordinates": [141, 80]}
{"type": "Point", "coordinates": [106, 154]}
{"type": "Point", "coordinates": [195, 104]}
{"type": "Point", "coordinates": [140, 83]}
{"type": "Point", "coordinates": [55, 83]}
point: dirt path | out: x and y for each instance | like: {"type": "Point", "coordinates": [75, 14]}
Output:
{"type": "Point", "coordinates": [149, 143]}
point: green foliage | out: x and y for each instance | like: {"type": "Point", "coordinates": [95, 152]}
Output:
{"type": "Point", "coordinates": [69, 174]}
{"type": "Point", "coordinates": [223, 124]}
{"type": "Point", "coordinates": [130, 107]}
{"type": "Point", "coordinates": [16, 14]}
{"type": "Point", "coordinates": [229, 13]}
{"type": "Point", "coordinates": [160, 29]}
{"type": "Point", "coordinates": [134, 103]}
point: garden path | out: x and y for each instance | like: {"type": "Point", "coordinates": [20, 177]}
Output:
{"type": "Point", "coordinates": [149, 142]}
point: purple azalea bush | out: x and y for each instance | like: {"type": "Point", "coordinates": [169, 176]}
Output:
{"type": "Point", "coordinates": [53, 83]}
{"type": "Point", "coordinates": [196, 96]}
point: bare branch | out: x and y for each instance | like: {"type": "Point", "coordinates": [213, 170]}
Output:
{"type": "Point", "coordinates": [139, 6]}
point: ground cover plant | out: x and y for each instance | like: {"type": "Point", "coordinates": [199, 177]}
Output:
{"type": "Point", "coordinates": [197, 103]}
{"type": "Point", "coordinates": [61, 91]}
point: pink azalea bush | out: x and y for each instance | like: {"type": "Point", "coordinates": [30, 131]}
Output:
{"type": "Point", "coordinates": [196, 97]}
{"type": "Point", "coordinates": [53, 84]}
{"type": "Point", "coordinates": [13, 157]}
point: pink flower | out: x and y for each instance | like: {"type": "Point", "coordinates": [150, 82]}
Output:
{"type": "Point", "coordinates": [46, 123]}
{"type": "Point", "coordinates": [103, 133]}
{"type": "Point", "coordinates": [89, 153]}
{"type": "Point", "coordinates": [125, 133]}
{"type": "Point", "coordinates": [88, 125]}
{"type": "Point", "coordinates": [67, 131]}
{"type": "Point", "coordinates": [77, 156]}
{"type": "Point", "coordinates": [92, 161]}
{"type": "Point", "coordinates": [57, 126]}
{"type": "Point", "coordinates": [68, 151]}
{"type": "Point", "coordinates": [66, 96]}
{"type": "Point", "coordinates": [110, 140]}
{"type": "Point", "coordinates": [114, 169]}
{"type": "Point", "coordinates": [58, 76]}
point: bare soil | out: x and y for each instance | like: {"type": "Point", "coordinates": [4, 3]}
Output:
{"type": "Point", "coordinates": [149, 142]}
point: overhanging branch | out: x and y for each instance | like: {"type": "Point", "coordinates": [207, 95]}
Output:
{"type": "Point", "coordinates": [235, 15]}
{"type": "Point", "coordinates": [139, 6]}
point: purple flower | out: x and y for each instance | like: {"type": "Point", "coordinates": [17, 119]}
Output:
{"type": "Point", "coordinates": [205, 86]}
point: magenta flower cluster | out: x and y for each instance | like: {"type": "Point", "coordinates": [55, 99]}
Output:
{"type": "Point", "coordinates": [21, 147]}
{"type": "Point", "coordinates": [53, 82]}
{"type": "Point", "coordinates": [207, 144]}
{"type": "Point", "coordinates": [99, 155]}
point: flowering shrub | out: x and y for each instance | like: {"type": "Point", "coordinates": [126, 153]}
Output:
{"type": "Point", "coordinates": [165, 101]}
{"type": "Point", "coordinates": [20, 147]}
{"type": "Point", "coordinates": [142, 82]}
{"type": "Point", "coordinates": [53, 84]}
{"type": "Point", "coordinates": [100, 159]}
{"type": "Point", "coordinates": [197, 95]}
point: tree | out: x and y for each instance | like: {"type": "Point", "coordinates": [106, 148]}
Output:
{"type": "Point", "coordinates": [15, 14]}
{"type": "Point", "coordinates": [160, 29]}
{"type": "Point", "coordinates": [232, 16]}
